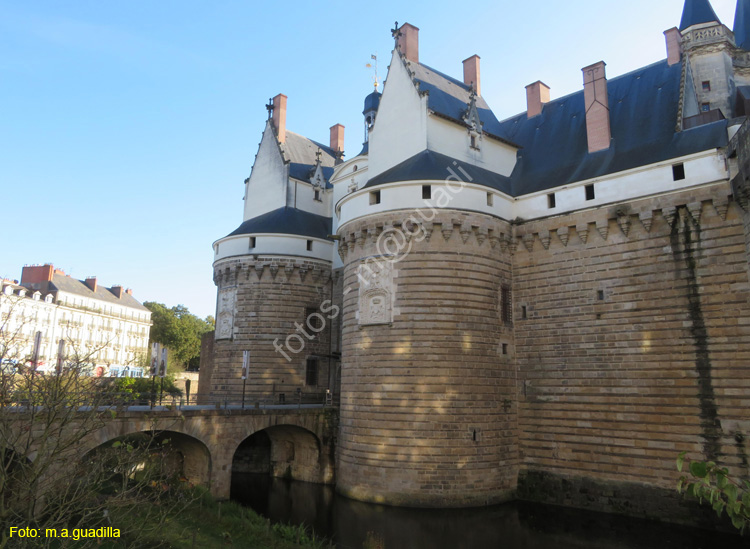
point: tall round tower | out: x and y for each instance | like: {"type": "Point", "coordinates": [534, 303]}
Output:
{"type": "Point", "coordinates": [273, 273]}
{"type": "Point", "coordinates": [428, 407]}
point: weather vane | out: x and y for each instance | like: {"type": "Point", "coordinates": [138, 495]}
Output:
{"type": "Point", "coordinates": [374, 66]}
{"type": "Point", "coordinates": [269, 108]}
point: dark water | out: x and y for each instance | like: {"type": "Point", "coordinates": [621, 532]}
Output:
{"type": "Point", "coordinates": [510, 526]}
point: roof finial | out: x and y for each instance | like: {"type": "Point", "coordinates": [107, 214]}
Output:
{"type": "Point", "coordinates": [395, 31]}
{"type": "Point", "coordinates": [269, 108]}
{"type": "Point", "coordinates": [374, 57]}
{"type": "Point", "coordinates": [318, 154]}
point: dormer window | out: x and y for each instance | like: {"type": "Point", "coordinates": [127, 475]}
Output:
{"type": "Point", "coordinates": [317, 195]}
{"type": "Point", "coordinates": [474, 140]}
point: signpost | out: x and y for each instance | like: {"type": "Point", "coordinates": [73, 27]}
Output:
{"type": "Point", "coordinates": [154, 371]}
{"type": "Point", "coordinates": [245, 373]}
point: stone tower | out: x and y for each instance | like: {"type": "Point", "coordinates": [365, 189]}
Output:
{"type": "Point", "coordinates": [273, 273]}
{"type": "Point", "coordinates": [427, 401]}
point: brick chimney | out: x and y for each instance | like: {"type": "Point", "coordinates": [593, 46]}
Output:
{"type": "Point", "coordinates": [129, 291]}
{"type": "Point", "coordinates": [117, 290]}
{"type": "Point", "coordinates": [471, 73]}
{"type": "Point", "coordinates": [37, 277]}
{"type": "Point", "coordinates": [537, 94]}
{"type": "Point", "coordinates": [596, 99]}
{"type": "Point", "coordinates": [408, 42]}
{"type": "Point", "coordinates": [279, 116]}
{"type": "Point", "coordinates": [674, 45]}
{"type": "Point", "coordinates": [91, 283]}
{"type": "Point", "coordinates": [337, 138]}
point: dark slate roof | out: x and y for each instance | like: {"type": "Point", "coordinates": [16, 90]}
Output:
{"type": "Point", "coordinates": [449, 97]}
{"type": "Point", "coordinates": [696, 12]}
{"type": "Point", "coordinates": [742, 25]}
{"type": "Point", "coordinates": [70, 285]}
{"type": "Point", "coordinates": [643, 115]}
{"type": "Point", "coordinates": [300, 152]}
{"type": "Point", "coordinates": [372, 101]}
{"type": "Point", "coordinates": [287, 220]}
{"type": "Point", "coordinates": [365, 148]}
{"type": "Point", "coordinates": [431, 165]}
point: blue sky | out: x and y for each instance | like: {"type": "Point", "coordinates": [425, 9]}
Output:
{"type": "Point", "coordinates": [128, 128]}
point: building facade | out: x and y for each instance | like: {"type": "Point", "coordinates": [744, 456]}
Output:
{"type": "Point", "coordinates": [104, 328]}
{"type": "Point", "coordinates": [556, 299]}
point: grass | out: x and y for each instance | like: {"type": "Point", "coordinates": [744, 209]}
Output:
{"type": "Point", "coordinates": [207, 523]}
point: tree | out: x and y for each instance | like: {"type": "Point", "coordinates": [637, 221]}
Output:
{"type": "Point", "coordinates": [180, 331]}
{"type": "Point", "coordinates": [48, 480]}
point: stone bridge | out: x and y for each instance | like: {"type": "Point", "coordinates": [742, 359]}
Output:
{"type": "Point", "coordinates": [293, 442]}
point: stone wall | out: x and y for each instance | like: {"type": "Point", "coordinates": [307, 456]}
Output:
{"type": "Point", "coordinates": [428, 411]}
{"type": "Point", "coordinates": [266, 300]}
{"type": "Point", "coordinates": [632, 343]}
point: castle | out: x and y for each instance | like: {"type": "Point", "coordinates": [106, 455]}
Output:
{"type": "Point", "coordinates": [550, 306]}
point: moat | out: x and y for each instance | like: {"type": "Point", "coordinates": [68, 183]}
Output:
{"type": "Point", "coordinates": [514, 525]}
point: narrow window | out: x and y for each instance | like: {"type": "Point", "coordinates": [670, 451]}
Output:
{"type": "Point", "coordinates": [505, 348]}
{"type": "Point", "coordinates": [706, 85]}
{"type": "Point", "coordinates": [311, 373]}
{"type": "Point", "coordinates": [252, 242]}
{"type": "Point", "coordinates": [590, 194]}
{"type": "Point", "coordinates": [313, 319]}
{"type": "Point", "coordinates": [426, 192]}
{"type": "Point", "coordinates": [374, 197]}
{"type": "Point", "coordinates": [309, 245]}
{"type": "Point", "coordinates": [474, 142]}
{"type": "Point", "coordinates": [705, 107]}
{"type": "Point", "coordinates": [600, 295]}
{"type": "Point", "coordinates": [678, 172]}
{"type": "Point", "coordinates": [523, 312]}
{"type": "Point", "coordinates": [317, 195]}
{"type": "Point", "coordinates": [506, 305]}
{"type": "Point", "coordinates": [551, 200]}
{"type": "Point", "coordinates": [489, 199]}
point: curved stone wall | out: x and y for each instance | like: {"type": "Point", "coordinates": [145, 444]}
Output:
{"type": "Point", "coordinates": [428, 405]}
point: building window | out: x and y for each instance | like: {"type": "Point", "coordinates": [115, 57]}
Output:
{"type": "Point", "coordinates": [426, 192]}
{"type": "Point", "coordinates": [705, 107]}
{"type": "Point", "coordinates": [311, 373]}
{"type": "Point", "coordinates": [309, 245]}
{"type": "Point", "coordinates": [678, 172]}
{"type": "Point", "coordinates": [524, 314]}
{"type": "Point", "coordinates": [506, 305]}
{"type": "Point", "coordinates": [505, 348]}
{"type": "Point", "coordinates": [374, 198]}
{"type": "Point", "coordinates": [317, 195]}
{"type": "Point", "coordinates": [600, 295]}
{"type": "Point", "coordinates": [252, 242]}
{"type": "Point", "coordinates": [551, 200]}
{"type": "Point", "coordinates": [313, 319]}
{"type": "Point", "coordinates": [489, 199]}
{"type": "Point", "coordinates": [590, 194]}
{"type": "Point", "coordinates": [706, 85]}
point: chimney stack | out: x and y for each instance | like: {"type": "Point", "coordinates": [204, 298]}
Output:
{"type": "Point", "coordinates": [279, 116]}
{"type": "Point", "coordinates": [597, 107]}
{"type": "Point", "coordinates": [471, 73]}
{"type": "Point", "coordinates": [408, 42]}
{"type": "Point", "coordinates": [337, 138]}
{"type": "Point", "coordinates": [537, 94]}
{"type": "Point", "coordinates": [37, 277]}
{"type": "Point", "coordinates": [674, 45]}
{"type": "Point", "coordinates": [117, 290]}
{"type": "Point", "coordinates": [91, 283]}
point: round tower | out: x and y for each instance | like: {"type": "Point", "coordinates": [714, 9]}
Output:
{"type": "Point", "coordinates": [428, 396]}
{"type": "Point", "coordinates": [273, 274]}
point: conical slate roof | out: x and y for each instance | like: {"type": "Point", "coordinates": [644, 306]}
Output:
{"type": "Point", "coordinates": [696, 12]}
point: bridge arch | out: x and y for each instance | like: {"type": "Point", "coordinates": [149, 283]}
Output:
{"type": "Point", "coordinates": [284, 451]}
{"type": "Point", "coordinates": [187, 455]}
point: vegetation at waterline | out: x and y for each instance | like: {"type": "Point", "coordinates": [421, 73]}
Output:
{"type": "Point", "coordinates": [206, 523]}
{"type": "Point", "coordinates": [712, 484]}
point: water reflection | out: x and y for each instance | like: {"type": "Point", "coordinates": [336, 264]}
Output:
{"type": "Point", "coordinates": [510, 526]}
